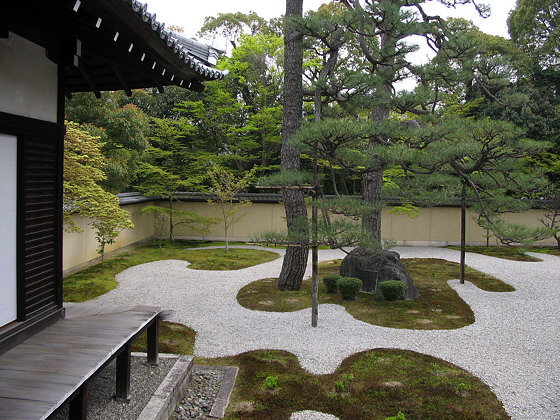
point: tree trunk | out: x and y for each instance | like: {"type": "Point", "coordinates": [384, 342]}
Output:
{"type": "Point", "coordinates": [373, 181]}
{"type": "Point", "coordinates": [373, 185]}
{"type": "Point", "coordinates": [226, 237]}
{"type": "Point", "coordinates": [170, 220]}
{"type": "Point", "coordinates": [295, 260]}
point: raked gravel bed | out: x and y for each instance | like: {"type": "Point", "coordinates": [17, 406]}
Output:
{"type": "Point", "coordinates": [513, 346]}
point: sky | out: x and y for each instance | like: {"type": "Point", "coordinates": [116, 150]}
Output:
{"type": "Point", "coordinates": [190, 14]}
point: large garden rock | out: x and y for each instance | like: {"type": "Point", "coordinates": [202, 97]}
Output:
{"type": "Point", "coordinates": [374, 267]}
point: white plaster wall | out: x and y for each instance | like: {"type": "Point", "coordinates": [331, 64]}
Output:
{"type": "Point", "coordinates": [8, 226]}
{"type": "Point", "coordinates": [28, 80]}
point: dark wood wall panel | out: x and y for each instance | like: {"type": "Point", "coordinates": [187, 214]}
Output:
{"type": "Point", "coordinates": [40, 201]}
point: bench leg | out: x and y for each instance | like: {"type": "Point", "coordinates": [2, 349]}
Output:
{"type": "Point", "coordinates": [78, 404]}
{"type": "Point", "coordinates": [123, 373]}
{"type": "Point", "coordinates": [153, 342]}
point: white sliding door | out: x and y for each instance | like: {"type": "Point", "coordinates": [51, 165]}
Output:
{"type": "Point", "coordinates": [8, 228]}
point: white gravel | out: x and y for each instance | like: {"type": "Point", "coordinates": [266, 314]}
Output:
{"type": "Point", "coordinates": [513, 346]}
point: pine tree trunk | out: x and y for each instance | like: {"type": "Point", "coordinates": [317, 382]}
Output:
{"type": "Point", "coordinates": [373, 181]}
{"type": "Point", "coordinates": [373, 184]}
{"type": "Point", "coordinates": [295, 260]}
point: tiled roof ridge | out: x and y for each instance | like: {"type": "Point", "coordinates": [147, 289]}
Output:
{"type": "Point", "coordinates": [178, 43]}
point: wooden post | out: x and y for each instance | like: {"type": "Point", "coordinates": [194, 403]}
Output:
{"type": "Point", "coordinates": [123, 373]}
{"type": "Point", "coordinates": [78, 404]}
{"type": "Point", "coordinates": [153, 342]}
{"type": "Point", "coordinates": [315, 265]}
{"type": "Point", "coordinates": [463, 231]}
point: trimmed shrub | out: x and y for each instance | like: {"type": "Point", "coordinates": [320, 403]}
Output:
{"type": "Point", "coordinates": [392, 289]}
{"type": "Point", "coordinates": [330, 281]}
{"type": "Point", "coordinates": [349, 287]}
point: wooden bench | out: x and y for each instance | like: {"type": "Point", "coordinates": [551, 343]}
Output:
{"type": "Point", "coordinates": [55, 365]}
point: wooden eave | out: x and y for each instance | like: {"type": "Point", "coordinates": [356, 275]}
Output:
{"type": "Point", "coordinates": [107, 44]}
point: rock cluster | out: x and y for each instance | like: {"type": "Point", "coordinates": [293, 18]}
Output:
{"type": "Point", "coordinates": [373, 268]}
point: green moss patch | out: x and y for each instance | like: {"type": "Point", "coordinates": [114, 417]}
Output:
{"type": "Point", "coordinates": [100, 279]}
{"type": "Point", "coordinates": [505, 252]}
{"type": "Point", "coordinates": [438, 307]}
{"type": "Point", "coordinates": [378, 384]}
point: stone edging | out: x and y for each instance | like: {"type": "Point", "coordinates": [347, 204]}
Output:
{"type": "Point", "coordinates": [170, 391]}
{"type": "Point", "coordinates": [222, 399]}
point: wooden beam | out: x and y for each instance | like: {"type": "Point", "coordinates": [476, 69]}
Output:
{"type": "Point", "coordinates": [89, 78]}
{"type": "Point", "coordinates": [78, 405]}
{"type": "Point", "coordinates": [123, 373]}
{"type": "Point", "coordinates": [153, 342]}
{"type": "Point", "coordinates": [123, 82]}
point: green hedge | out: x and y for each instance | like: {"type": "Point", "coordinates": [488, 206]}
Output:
{"type": "Point", "coordinates": [330, 281]}
{"type": "Point", "coordinates": [392, 289]}
{"type": "Point", "coordinates": [349, 287]}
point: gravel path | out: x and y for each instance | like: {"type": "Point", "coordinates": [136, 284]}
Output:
{"type": "Point", "coordinates": [513, 346]}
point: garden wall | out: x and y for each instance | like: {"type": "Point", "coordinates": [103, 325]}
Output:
{"type": "Point", "coordinates": [80, 249]}
{"type": "Point", "coordinates": [435, 226]}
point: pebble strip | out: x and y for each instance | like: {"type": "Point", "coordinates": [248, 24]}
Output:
{"type": "Point", "coordinates": [512, 345]}
{"type": "Point", "coordinates": [200, 394]}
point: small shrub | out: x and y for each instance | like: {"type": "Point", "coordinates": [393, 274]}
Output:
{"type": "Point", "coordinates": [339, 386]}
{"type": "Point", "coordinates": [399, 416]}
{"type": "Point", "coordinates": [349, 287]}
{"type": "Point", "coordinates": [344, 384]}
{"type": "Point", "coordinates": [392, 289]}
{"type": "Point", "coordinates": [330, 281]}
{"type": "Point", "coordinates": [271, 382]}
{"type": "Point", "coordinates": [463, 387]}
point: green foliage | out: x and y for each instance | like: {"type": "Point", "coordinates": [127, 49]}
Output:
{"type": "Point", "coordinates": [83, 163]}
{"type": "Point", "coordinates": [170, 164]}
{"type": "Point", "coordinates": [225, 187]}
{"type": "Point", "coordinates": [168, 218]}
{"type": "Point", "coordinates": [400, 416]}
{"type": "Point", "coordinates": [349, 287]}
{"type": "Point", "coordinates": [491, 158]}
{"type": "Point", "coordinates": [392, 289]}
{"type": "Point", "coordinates": [515, 233]}
{"type": "Point", "coordinates": [123, 131]}
{"type": "Point", "coordinates": [406, 209]}
{"type": "Point", "coordinates": [331, 282]}
{"type": "Point", "coordinates": [345, 384]}
{"type": "Point", "coordinates": [534, 26]}
{"type": "Point", "coordinates": [239, 119]}
{"type": "Point", "coordinates": [463, 387]}
{"type": "Point", "coordinates": [232, 26]}
{"type": "Point", "coordinates": [271, 382]}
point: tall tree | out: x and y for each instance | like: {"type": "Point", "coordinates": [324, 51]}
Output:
{"type": "Point", "coordinates": [123, 130]}
{"type": "Point", "coordinates": [240, 116]}
{"type": "Point", "coordinates": [169, 167]}
{"type": "Point", "coordinates": [83, 170]}
{"type": "Point", "coordinates": [295, 260]}
{"type": "Point", "coordinates": [534, 25]}
{"type": "Point", "coordinates": [383, 29]}
{"type": "Point", "coordinates": [232, 26]}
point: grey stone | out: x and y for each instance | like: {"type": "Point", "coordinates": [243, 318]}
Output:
{"type": "Point", "coordinates": [374, 267]}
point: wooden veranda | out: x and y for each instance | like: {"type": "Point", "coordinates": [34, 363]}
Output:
{"type": "Point", "coordinates": [56, 365]}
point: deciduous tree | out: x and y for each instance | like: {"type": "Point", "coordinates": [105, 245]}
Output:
{"type": "Point", "coordinates": [224, 189]}
{"type": "Point", "coordinates": [83, 170]}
